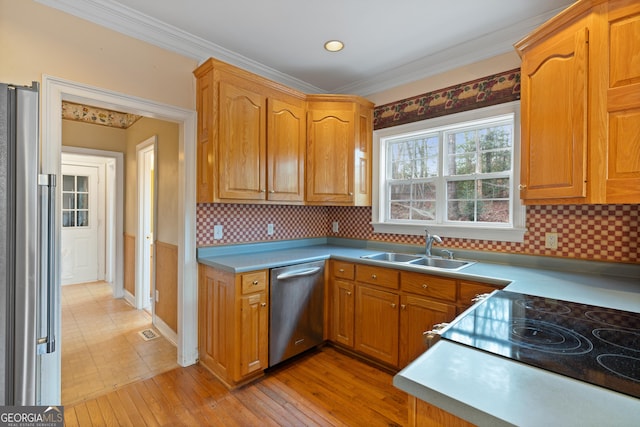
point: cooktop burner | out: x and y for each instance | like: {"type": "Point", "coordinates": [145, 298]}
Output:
{"type": "Point", "coordinates": [593, 344]}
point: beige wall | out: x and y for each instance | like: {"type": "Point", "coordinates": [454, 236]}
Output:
{"type": "Point", "coordinates": [37, 40]}
{"type": "Point", "coordinates": [167, 174]}
{"type": "Point", "coordinates": [497, 64]}
{"type": "Point", "coordinates": [87, 135]}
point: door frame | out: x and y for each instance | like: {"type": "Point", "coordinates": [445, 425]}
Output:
{"type": "Point", "coordinates": [54, 91]}
{"type": "Point", "coordinates": [145, 287]}
{"type": "Point", "coordinates": [114, 224]}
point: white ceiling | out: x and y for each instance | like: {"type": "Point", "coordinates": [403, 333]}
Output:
{"type": "Point", "coordinates": [387, 43]}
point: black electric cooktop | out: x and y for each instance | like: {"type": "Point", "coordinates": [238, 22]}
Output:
{"type": "Point", "coordinates": [597, 345]}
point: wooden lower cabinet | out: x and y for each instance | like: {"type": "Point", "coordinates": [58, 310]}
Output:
{"type": "Point", "coordinates": [423, 414]}
{"type": "Point", "coordinates": [343, 312]}
{"type": "Point", "coordinates": [376, 324]}
{"type": "Point", "coordinates": [418, 315]}
{"type": "Point", "coordinates": [233, 322]}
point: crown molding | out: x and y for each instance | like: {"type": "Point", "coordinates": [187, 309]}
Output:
{"type": "Point", "coordinates": [481, 48]}
{"type": "Point", "coordinates": [120, 18]}
{"type": "Point", "coordinates": [115, 16]}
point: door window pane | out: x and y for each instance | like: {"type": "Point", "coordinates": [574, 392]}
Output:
{"type": "Point", "coordinates": [75, 201]}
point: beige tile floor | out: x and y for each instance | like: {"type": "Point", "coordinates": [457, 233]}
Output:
{"type": "Point", "coordinates": [101, 347]}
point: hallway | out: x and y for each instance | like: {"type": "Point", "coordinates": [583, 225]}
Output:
{"type": "Point", "coordinates": [102, 349]}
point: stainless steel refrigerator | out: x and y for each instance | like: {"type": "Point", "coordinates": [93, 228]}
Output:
{"type": "Point", "coordinates": [27, 294]}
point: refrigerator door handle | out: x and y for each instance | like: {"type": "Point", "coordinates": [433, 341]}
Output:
{"type": "Point", "coordinates": [47, 343]}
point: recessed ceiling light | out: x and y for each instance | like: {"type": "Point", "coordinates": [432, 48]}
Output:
{"type": "Point", "coordinates": [334, 45]}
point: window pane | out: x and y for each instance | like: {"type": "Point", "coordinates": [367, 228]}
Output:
{"type": "Point", "coordinates": [83, 184]}
{"type": "Point", "coordinates": [424, 191]}
{"type": "Point", "coordinates": [400, 191]}
{"type": "Point", "coordinates": [496, 137]}
{"type": "Point", "coordinates": [495, 161]}
{"type": "Point", "coordinates": [426, 158]}
{"type": "Point", "coordinates": [68, 219]}
{"type": "Point", "coordinates": [399, 210]}
{"type": "Point", "coordinates": [423, 211]}
{"type": "Point", "coordinates": [461, 210]}
{"type": "Point", "coordinates": [83, 201]}
{"type": "Point", "coordinates": [68, 201]}
{"type": "Point", "coordinates": [68, 183]}
{"type": "Point", "coordinates": [83, 219]}
{"type": "Point", "coordinates": [461, 189]}
{"type": "Point", "coordinates": [493, 211]}
{"type": "Point", "coordinates": [497, 188]}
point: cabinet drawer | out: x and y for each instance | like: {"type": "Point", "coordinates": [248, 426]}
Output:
{"type": "Point", "coordinates": [430, 286]}
{"type": "Point", "coordinates": [343, 270]}
{"type": "Point", "coordinates": [254, 282]}
{"type": "Point", "coordinates": [469, 290]}
{"type": "Point", "coordinates": [377, 276]}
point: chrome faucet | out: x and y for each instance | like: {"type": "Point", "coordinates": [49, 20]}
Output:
{"type": "Point", "coordinates": [428, 241]}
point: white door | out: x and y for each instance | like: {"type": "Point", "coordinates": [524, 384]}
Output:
{"type": "Point", "coordinates": [79, 261]}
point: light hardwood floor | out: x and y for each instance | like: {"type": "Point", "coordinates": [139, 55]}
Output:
{"type": "Point", "coordinates": [111, 377]}
{"type": "Point", "coordinates": [323, 388]}
{"type": "Point", "coordinates": [101, 347]}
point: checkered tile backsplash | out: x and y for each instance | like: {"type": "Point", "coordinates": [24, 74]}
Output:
{"type": "Point", "coordinates": [592, 232]}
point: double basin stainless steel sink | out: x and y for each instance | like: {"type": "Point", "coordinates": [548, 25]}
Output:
{"type": "Point", "coordinates": [420, 260]}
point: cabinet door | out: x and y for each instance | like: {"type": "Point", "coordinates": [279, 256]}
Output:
{"type": "Point", "coordinates": [330, 156]}
{"type": "Point", "coordinates": [254, 320]}
{"type": "Point", "coordinates": [623, 103]}
{"type": "Point", "coordinates": [376, 325]}
{"type": "Point", "coordinates": [343, 308]}
{"type": "Point", "coordinates": [216, 320]}
{"type": "Point", "coordinates": [286, 146]}
{"type": "Point", "coordinates": [418, 315]}
{"type": "Point", "coordinates": [205, 155]}
{"type": "Point", "coordinates": [554, 117]}
{"type": "Point", "coordinates": [242, 141]}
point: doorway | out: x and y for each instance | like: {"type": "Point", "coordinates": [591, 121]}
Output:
{"type": "Point", "coordinates": [147, 205]}
{"type": "Point", "coordinates": [82, 224]}
{"type": "Point", "coordinates": [56, 90]}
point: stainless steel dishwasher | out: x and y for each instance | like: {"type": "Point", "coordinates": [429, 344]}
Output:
{"type": "Point", "coordinates": [297, 306]}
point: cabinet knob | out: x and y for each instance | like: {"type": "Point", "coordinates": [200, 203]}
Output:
{"type": "Point", "coordinates": [425, 286]}
{"type": "Point", "coordinates": [264, 304]}
{"type": "Point", "coordinates": [341, 270]}
{"type": "Point", "coordinates": [349, 293]}
{"type": "Point", "coordinates": [254, 283]}
{"type": "Point", "coordinates": [271, 191]}
{"type": "Point", "coordinates": [522, 186]}
{"type": "Point", "coordinates": [263, 191]}
{"type": "Point", "coordinates": [373, 276]}
{"type": "Point", "coordinates": [403, 306]}
{"type": "Point", "coordinates": [350, 193]}
{"type": "Point", "coordinates": [393, 305]}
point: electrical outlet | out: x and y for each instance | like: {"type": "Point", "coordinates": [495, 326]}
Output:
{"type": "Point", "coordinates": [270, 229]}
{"type": "Point", "coordinates": [551, 240]}
{"type": "Point", "coordinates": [335, 226]}
{"type": "Point", "coordinates": [217, 232]}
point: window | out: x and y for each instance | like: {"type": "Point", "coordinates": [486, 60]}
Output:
{"type": "Point", "coordinates": [75, 201]}
{"type": "Point", "coordinates": [455, 175]}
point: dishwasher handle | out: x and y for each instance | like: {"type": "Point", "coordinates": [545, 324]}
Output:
{"type": "Point", "coordinates": [298, 273]}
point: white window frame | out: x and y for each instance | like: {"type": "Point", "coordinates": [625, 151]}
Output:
{"type": "Point", "coordinates": [513, 232]}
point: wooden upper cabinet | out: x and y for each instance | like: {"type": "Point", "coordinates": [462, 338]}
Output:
{"type": "Point", "coordinates": [581, 106]}
{"type": "Point", "coordinates": [339, 139]}
{"type": "Point", "coordinates": [623, 103]}
{"type": "Point", "coordinates": [286, 127]}
{"type": "Point", "coordinates": [554, 78]}
{"type": "Point", "coordinates": [251, 137]}
{"type": "Point", "coordinates": [242, 141]}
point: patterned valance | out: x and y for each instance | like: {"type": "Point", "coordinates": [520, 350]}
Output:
{"type": "Point", "coordinates": [483, 92]}
{"type": "Point", "coordinates": [97, 116]}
